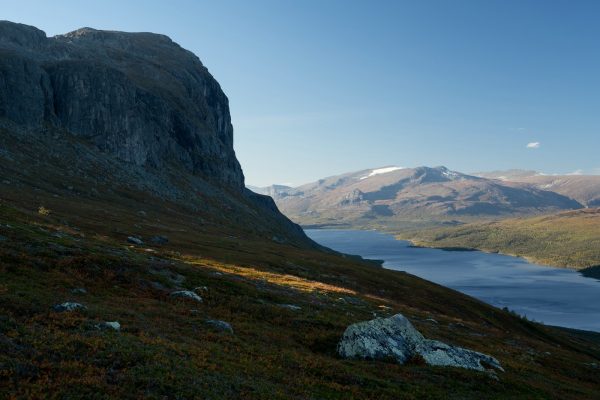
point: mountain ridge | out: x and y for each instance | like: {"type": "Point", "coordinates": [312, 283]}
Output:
{"type": "Point", "coordinates": [376, 196]}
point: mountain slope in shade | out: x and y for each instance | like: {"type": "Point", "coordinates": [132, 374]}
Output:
{"type": "Point", "coordinates": [583, 188]}
{"type": "Point", "coordinates": [392, 194]}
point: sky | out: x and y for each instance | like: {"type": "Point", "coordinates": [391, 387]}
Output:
{"type": "Point", "coordinates": [318, 88]}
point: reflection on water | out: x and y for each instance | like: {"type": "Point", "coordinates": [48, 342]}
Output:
{"type": "Point", "coordinates": [551, 295]}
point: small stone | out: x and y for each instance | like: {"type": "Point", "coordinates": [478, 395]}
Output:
{"type": "Point", "coordinates": [292, 307]}
{"type": "Point", "coordinates": [220, 325]}
{"type": "Point", "coordinates": [79, 291]}
{"type": "Point", "coordinates": [186, 294]}
{"type": "Point", "coordinates": [277, 239]}
{"type": "Point", "coordinates": [433, 321]}
{"type": "Point", "coordinates": [114, 325]}
{"type": "Point", "coordinates": [69, 306]}
{"type": "Point", "coordinates": [135, 240]}
{"type": "Point", "coordinates": [141, 213]}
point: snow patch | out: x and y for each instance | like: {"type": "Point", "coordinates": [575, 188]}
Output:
{"type": "Point", "coordinates": [449, 174]}
{"type": "Point", "coordinates": [381, 171]}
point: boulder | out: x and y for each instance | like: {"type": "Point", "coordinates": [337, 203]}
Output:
{"type": "Point", "coordinates": [135, 240]}
{"type": "Point", "coordinates": [438, 353]}
{"type": "Point", "coordinates": [381, 338]}
{"type": "Point", "coordinates": [114, 325]}
{"type": "Point", "coordinates": [292, 307]}
{"type": "Point", "coordinates": [396, 338]}
{"type": "Point", "coordinates": [187, 294]}
{"type": "Point", "coordinates": [68, 306]}
{"type": "Point", "coordinates": [220, 325]}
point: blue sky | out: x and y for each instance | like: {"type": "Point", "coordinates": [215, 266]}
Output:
{"type": "Point", "coordinates": [318, 88]}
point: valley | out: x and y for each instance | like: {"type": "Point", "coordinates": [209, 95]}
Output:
{"type": "Point", "coordinates": [544, 218]}
{"type": "Point", "coordinates": [134, 262]}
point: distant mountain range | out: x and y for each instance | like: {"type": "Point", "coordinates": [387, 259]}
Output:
{"type": "Point", "coordinates": [583, 188]}
{"type": "Point", "coordinates": [393, 197]}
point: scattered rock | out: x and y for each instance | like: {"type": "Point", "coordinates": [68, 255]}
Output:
{"type": "Point", "coordinates": [187, 294]}
{"type": "Point", "coordinates": [292, 307]}
{"type": "Point", "coordinates": [114, 325]}
{"type": "Point", "coordinates": [397, 338]}
{"type": "Point", "coordinates": [69, 306]}
{"type": "Point", "coordinates": [79, 291]}
{"type": "Point", "coordinates": [220, 325]}
{"type": "Point", "coordinates": [135, 240]}
{"type": "Point", "coordinates": [159, 239]}
{"type": "Point", "coordinates": [279, 240]}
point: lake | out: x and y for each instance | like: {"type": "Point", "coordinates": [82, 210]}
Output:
{"type": "Point", "coordinates": [553, 296]}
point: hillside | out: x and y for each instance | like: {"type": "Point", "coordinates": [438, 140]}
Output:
{"type": "Point", "coordinates": [583, 188]}
{"type": "Point", "coordinates": [393, 198]}
{"type": "Point", "coordinates": [120, 192]}
{"type": "Point", "coordinates": [568, 239]}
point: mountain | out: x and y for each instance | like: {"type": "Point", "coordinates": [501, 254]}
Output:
{"type": "Point", "coordinates": [101, 113]}
{"type": "Point", "coordinates": [134, 263]}
{"type": "Point", "coordinates": [392, 196]}
{"type": "Point", "coordinates": [583, 188]}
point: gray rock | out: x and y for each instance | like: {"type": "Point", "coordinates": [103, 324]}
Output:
{"type": "Point", "coordinates": [395, 337]}
{"type": "Point", "coordinates": [114, 325]}
{"type": "Point", "coordinates": [438, 353]}
{"type": "Point", "coordinates": [79, 291]}
{"type": "Point", "coordinates": [69, 306]}
{"type": "Point", "coordinates": [380, 338]}
{"type": "Point", "coordinates": [220, 325]}
{"type": "Point", "coordinates": [151, 88]}
{"type": "Point", "coordinates": [135, 240]}
{"type": "Point", "coordinates": [292, 307]}
{"type": "Point", "coordinates": [188, 294]}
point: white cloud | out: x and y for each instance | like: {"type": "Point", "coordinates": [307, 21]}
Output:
{"type": "Point", "coordinates": [533, 145]}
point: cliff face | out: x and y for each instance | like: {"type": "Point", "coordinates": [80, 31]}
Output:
{"type": "Point", "coordinates": [110, 116]}
{"type": "Point", "coordinates": [137, 96]}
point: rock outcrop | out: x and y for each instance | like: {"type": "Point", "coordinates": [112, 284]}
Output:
{"type": "Point", "coordinates": [395, 337]}
{"type": "Point", "coordinates": [138, 96]}
{"type": "Point", "coordinates": [124, 112]}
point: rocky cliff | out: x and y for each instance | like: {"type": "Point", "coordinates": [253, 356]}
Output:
{"type": "Point", "coordinates": [133, 110]}
{"type": "Point", "coordinates": [138, 96]}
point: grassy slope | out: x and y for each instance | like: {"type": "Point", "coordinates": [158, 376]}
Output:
{"type": "Point", "coordinates": [166, 350]}
{"type": "Point", "coordinates": [568, 239]}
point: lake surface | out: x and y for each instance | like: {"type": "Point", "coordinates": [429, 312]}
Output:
{"type": "Point", "coordinates": [553, 296]}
